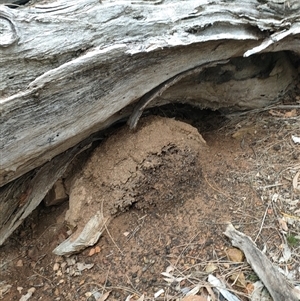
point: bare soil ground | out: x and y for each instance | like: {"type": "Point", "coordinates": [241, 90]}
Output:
{"type": "Point", "coordinates": [176, 221]}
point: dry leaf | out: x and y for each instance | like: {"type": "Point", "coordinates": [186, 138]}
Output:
{"type": "Point", "coordinates": [250, 288]}
{"type": "Point", "coordinates": [238, 279]}
{"type": "Point", "coordinates": [141, 298]}
{"type": "Point", "coordinates": [286, 253]}
{"type": "Point", "coordinates": [221, 287]}
{"type": "Point", "coordinates": [296, 184]}
{"type": "Point", "coordinates": [83, 266]}
{"type": "Point", "coordinates": [276, 113]}
{"type": "Point", "coordinates": [194, 291]}
{"type": "Point", "coordinates": [235, 255]}
{"type": "Point", "coordinates": [157, 294]}
{"type": "Point", "coordinates": [292, 113]}
{"type": "Point", "coordinates": [283, 224]}
{"type": "Point", "coordinates": [169, 269]}
{"type": "Point", "coordinates": [104, 296]}
{"type": "Point", "coordinates": [97, 249]}
{"type": "Point", "coordinates": [210, 268]}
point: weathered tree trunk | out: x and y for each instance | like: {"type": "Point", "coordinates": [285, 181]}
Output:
{"type": "Point", "coordinates": [71, 68]}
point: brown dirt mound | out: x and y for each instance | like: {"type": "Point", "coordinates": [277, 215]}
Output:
{"type": "Point", "coordinates": [140, 170]}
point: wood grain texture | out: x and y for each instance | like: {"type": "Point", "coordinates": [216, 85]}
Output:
{"type": "Point", "coordinates": [71, 68]}
{"type": "Point", "coordinates": [68, 67]}
{"type": "Point", "coordinates": [274, 281]}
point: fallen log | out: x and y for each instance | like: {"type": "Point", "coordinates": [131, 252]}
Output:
{"type": "Point", "coordinates": [274, 281]}
{"type": "Point", "coordinates": [71, 68]}
{"type": "Point", "coordinates": [61, 79]}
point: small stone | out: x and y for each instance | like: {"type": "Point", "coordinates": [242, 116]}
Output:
{"type": "Point", "coordinates": [92, 252]}
{"type": "Point", "coordinates": [19, 263]}
{"type": "Point", "coordinates": [63, 265]}
{"type": "Point", "coordinates": [56, 195]}
{"type": "Point", "coordinates": [31, 290]}
{"type": "Point", "coordinates": [56, 266]}
{"type": "Point", "coordinates": [134, 275]}
{"type": "Point", "coordinates": [59, 273]}
{"type": "Point", "coordinates": [33, 253]}
{"type": "Point", "coordinates": [33, 264]}
{"type": "Point", "coordinates": [70, 261]}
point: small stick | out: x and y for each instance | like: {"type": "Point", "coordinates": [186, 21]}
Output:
{"type": "Point", "coordinates": [112, 239]}
{"type": "Point", "coordinates": [262, 222]}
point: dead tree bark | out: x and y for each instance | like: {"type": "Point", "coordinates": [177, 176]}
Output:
{"type": "Point", "coordinates": [71, 68]}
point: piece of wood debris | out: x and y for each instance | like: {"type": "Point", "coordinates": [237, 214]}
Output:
{"type": "Point", "coordinates": [274, 281]}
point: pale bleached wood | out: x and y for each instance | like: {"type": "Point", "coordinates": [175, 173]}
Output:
{"type": "Point", "coordinates": [25, 194]}
{"type": "Point", "coordinates": [71, 68]}
{"type": "Point", "coordinates": [68, 66]}
{"type": "Point", "coordinates": [274, 281]}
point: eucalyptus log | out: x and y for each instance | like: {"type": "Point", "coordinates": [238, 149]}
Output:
{"type": "Point", "coordinates": [276, 283]}
{"type": "Point", "coordinates": [71, 68]}
{"type": "Point", "coordinates": [67, 66]}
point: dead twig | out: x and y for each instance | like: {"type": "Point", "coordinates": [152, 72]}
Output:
{"type": "Point", "coordinates": [262, 222]}
{"type": "Point", "coordinates": [38, 274]}
{"type": "Point", "coordinates": [113, 240]}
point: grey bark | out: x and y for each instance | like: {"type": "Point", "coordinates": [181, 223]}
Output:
{"type": "Point", "coordinates": [274, 281]}
{"type": "Point", "coordinates": [66, 67]}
